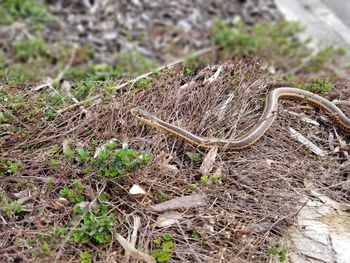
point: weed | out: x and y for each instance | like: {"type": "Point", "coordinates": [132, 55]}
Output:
{"type": "Point", "coordinates": [85, 257]}
{"type": "Point", "coordinates": [33, 10]}
{"type": "Point", "coordinates": [10, 208]}
{"type": "Point", "coordinates": [193, 64]}
{"type": "Point", "coordinates": [204, 179]}
{"type": "Point", "coordinates": [92, 227]}
{"type": "Point", "coordinates": [5, 17]}
{"type": "Point", "coordinates": [321, 57]}
{"type": "Point", "coordinates": [30, 48]}
{"type": "Point", "coordinates": [215, 177]}
{"type": "Point", "coordinates": [142, 83]}
{"type": "Point", "coordinates": [60, 232]}
{"type": "Point", "coordinates": [18, 74]}
{"type": "Point", "coordinates": [112, 162]}
{"type": "Point", "coordinates": [194, 156]}
{"type": "Point", "coordinates": [72, 195]}
{"type": "Point", "coordinates": [39, 245]}
{"type": "Point", "coordinates": [8, 167]}
{"type": "Point", "coordinates": [133, 62]}
{"type": "Point", "coordinates": [195, 234]}
{"type": "Point", "coordinates": [163, 244]}
{"type": "Point", "coordinates": [160, 197]}
{"type": "Point", "coordinates": [321, 85]}
{"type": "Point", "coordinates": [279, 251]}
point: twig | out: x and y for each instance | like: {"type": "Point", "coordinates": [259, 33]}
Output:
{"type": "Point", "coordinates": [137, 224]}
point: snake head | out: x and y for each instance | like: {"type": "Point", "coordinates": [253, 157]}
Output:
{"type": "Point", "coordinates": [143, 116]}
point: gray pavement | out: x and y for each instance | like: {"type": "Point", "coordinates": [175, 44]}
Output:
{"type": "Point", "coordinates": [327, 21]}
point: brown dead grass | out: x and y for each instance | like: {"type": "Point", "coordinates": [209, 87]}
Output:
{"type": "Point", "coordinates": [252, 205]}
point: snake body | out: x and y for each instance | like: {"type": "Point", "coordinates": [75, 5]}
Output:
{"type": "Point", "coordinates": [267, 118]}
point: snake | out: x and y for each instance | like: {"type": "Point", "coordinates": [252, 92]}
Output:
{"type": "Point", "coordinates": [268, 116]}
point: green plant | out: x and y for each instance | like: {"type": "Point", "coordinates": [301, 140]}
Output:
{"type": "Point", "coordinates": [142, 83]}
{"type": "Point", "coordinates": [160, 197]}
{"type": "Point", "coordinates": [30, 48]}
{"type": "Point", "coordinates": [244, 39]}
{"type": "Point", "coordinates": [39, 245]}
{"type": "Point", "coordinates": [321, 85]}
{"type": "Point", "coordinates": [8, 167]}
{"type": "Point", "coordinates": [33, 10]}
{"type": "Point", "coordinates": [85, 257]}
{"type": "Point", "coordinates": [72, 195]}
{"type": "Point", "coordinates": [5, 17]}
{"type": "Point", "coordinates": [10, 208]}
{"type": "Point", "coordinates": [194, 156]}
{"type": "Point", "coordinates": [133, 62]}
{"type": "Point", "coordinates": [204, 179]}
{"type": "Point", "coordinates": [92, 227]}
{"type": "Point", "coordinates": [195, 234]}
{"type": "Point", "coordinates": [193, 64]}
{"type": "Point", "coordinates": [323, 56]}
{"type": "Point", "coordinates": [215, 177]}
{"type": "Point", "coordinates": [164, 245]}
{"type": "Point", "coordinates": [112, 162]}
{"type": "Point", "coordinates": [279, 251]}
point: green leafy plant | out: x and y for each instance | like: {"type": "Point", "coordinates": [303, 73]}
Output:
{"type": "Point", "coordinates": [112, 162]}
{"type": "Point", "coordinates": [194, 156]}
{"type": "Point", "coordinates": [279, 251]}
{"type": "Point", "coordinates": [31, 48]}
{"type": "Point", "coordinates": [163, 244]}
{"type": "Point", "coordinates": [85, 257]}
{"type": "Point", "coordinates": [33, 10]}
{"type": "Point", "coordinates": [204, 179]}
{"type": "Point", "coordinates": [10, 208]}
{"type": "Point", "coordinates": [142, 83]}
{"type": "Point", "coordinates": [93, 227]}
{"type": "Point", "coordinates": [8, 167]}
{"type": "Point", "coordinates": [195, 234]}
{"type": "Point", "coordinates": [321, 85]}
{"type": "Point", "coordinates": [72, 195]}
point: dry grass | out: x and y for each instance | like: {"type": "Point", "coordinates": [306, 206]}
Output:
{"type": "Point", "coordinates": [250, 207]}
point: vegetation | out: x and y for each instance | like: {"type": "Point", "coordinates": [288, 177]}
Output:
{"type": "Point", "coordinates": [32, 10]}
{"type": "Point", "coordinates": [80, 183]}
{"type": "Point", "coordinates": [164, 244]}
{"type": "Point", "coordinates": [278, 251]}
{"type": "Point", "coordinates": [321, 85]}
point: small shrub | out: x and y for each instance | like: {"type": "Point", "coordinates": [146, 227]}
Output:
{"type": "Point", "coordinates": [92, 227]}
{"type": "Point", "coordinates": [320, 86]}
{"type": "Point", "coordinates": [33, 10]}
{"type": "Point", "coordinates": [142, 83]}
{"type": "Point", "coordinates": [9, 208]}
{"type": "Point", "coordinates": [164, 245]}
{"type": "Point", "coordinates": [72, 195]}
{"type": "Point", "coordinates": [279, 251]}
{"type": "Point", "coordinates": [30, 48]}
{"type": "Point", "coordinates": [8, 167]}
{"type": "Point", "coordinates": [194, 156]}
{"type": "Point", "coordinates": [85, 257]}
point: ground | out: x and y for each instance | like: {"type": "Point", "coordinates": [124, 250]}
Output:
{"type": "Point", "coordinates": [71, 151]}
